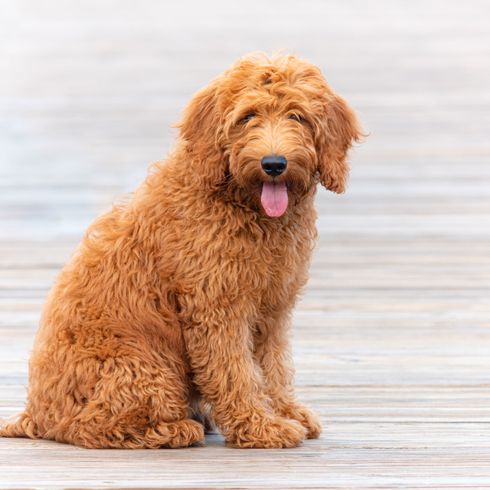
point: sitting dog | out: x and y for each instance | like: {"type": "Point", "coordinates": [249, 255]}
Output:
{"type": "Point", "coordinates": [175, 308]}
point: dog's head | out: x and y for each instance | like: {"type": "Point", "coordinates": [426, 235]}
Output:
{"type": "Point", "coordinates": [272, 128]}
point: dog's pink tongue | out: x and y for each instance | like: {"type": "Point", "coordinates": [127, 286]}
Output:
{"type": "Point", "coordinates": [274, 198]}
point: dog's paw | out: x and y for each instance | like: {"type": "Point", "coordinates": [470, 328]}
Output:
{"type": "Point", "coordinates": [273, 432]}
{"type": "Point", "coordinates": [309, 420]}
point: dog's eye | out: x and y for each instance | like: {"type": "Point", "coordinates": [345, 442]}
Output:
{"type": "Point", "coordinates": [247, 117]}
{"type": "Point", "coordinates": [296, 117]}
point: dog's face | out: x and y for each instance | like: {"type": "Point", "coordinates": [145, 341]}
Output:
{"type": "Point", "coordinates": [272, 128]}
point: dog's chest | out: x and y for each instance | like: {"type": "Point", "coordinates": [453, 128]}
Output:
{"type": "Point", "coordinates": [226, 264]}
{"type": "Point", "coordinates": [272, 265]}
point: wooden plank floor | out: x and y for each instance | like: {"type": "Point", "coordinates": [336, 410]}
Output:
{"type": "Point", "coordinates": [392, 338]}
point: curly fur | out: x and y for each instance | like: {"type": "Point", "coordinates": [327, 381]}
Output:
{"type": "Point", "coordinates": [175, 308]}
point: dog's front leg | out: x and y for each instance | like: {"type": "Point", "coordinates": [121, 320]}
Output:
{"type": "Point", "coordinates": [273, 354]}
{"type": "Point", "coordinates": [219, 345]}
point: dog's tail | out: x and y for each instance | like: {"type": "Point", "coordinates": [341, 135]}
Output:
{"type": "Point", "coordinates": [18, 426]}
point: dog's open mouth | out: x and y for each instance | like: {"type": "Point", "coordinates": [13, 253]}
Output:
{"type": "Point", "coordinates": [274, 198]}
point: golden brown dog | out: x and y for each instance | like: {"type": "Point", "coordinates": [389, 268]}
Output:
{"type": "Point", "coordinates": [181, 298]}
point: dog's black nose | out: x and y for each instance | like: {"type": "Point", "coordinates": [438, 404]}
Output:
{"type": "Point", "coordinates": [274, 165]}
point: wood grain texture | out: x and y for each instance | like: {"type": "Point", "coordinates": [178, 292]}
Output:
{"type": "Point", "coordinates": [392, 336]}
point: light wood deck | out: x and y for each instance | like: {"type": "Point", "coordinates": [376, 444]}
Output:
{"type": "Point", "coordinates": [392, 338]}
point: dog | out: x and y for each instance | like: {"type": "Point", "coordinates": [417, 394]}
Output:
{"type": "Point", "coordinates": [173, 313]}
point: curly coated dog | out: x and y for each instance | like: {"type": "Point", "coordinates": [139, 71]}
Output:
{"type": "Point", "coordinates": [174, 311]}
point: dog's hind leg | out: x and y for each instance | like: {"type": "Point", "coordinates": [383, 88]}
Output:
{"type": "Point", "coordinates": [126, 397]}
{"type": "Point", "coordinates": [95, 434]}
{"type": "Point", "coordinates": [136, 404]}
{"type": "Point", "coordinates": [177, 434]}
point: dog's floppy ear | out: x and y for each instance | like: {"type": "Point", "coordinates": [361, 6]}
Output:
{"type": "Point", "coordinates": [339, 129]}
{"type": "Point", "coordinates": [200, 121]}
{"type": "Point", "coordinates": [200, 129]}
